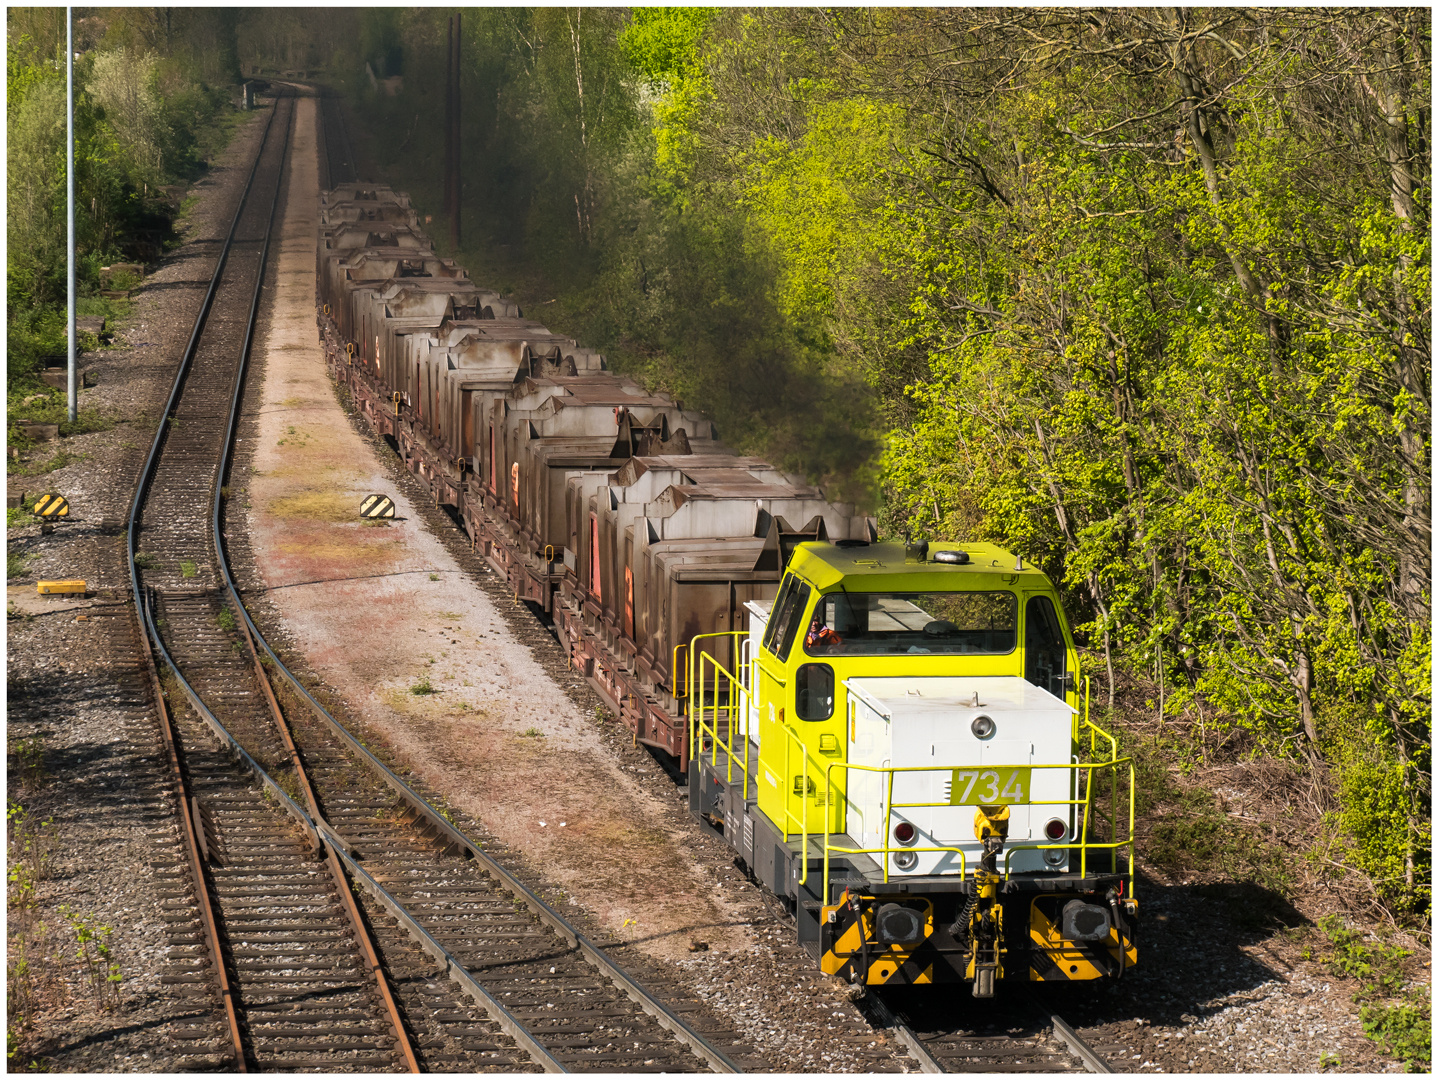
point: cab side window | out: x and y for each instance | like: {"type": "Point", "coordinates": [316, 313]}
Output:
{"type": "Point", "coordinates": [784, 625]}
{"type": "Point", "coordinates": [814, 692]}
{"type": "Point", "coordinates": [1044, 652]}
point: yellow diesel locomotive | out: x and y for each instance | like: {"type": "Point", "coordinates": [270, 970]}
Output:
{"type": "Point", "coordinates": [895, 746]}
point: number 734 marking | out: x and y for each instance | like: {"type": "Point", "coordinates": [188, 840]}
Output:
{"type": "Point", "coordinates": [989, 787]}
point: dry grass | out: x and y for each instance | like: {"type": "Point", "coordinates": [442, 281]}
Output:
{"type": "Point", "coordinates": [316, 506]}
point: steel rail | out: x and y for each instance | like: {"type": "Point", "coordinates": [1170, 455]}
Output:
{"type": "Point", "coordinates": [203, 897]}
{"type": "Point", "coordinates": [931, 1064]}
{"type": "Point", "coordinates": [204, 900]}
{"type": "Point", "coordinates": [927, 1062]}
{"type": "Point", "coordinates": [336, 868]}
{"type": "Point", "coordinates": [717, 1060]}
{"type": "Point", "coordinates": [347, 901]}
{"type": "Point", "coordinates": [321, 838]}
{"type": "Point", "coordinates": [324, 836]}
{"type": "Point", "coordinates": [1071, 1038]}
{"type": "Point", "coordinates": [186, 359]}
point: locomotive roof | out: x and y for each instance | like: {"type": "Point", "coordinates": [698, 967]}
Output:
{"type": "Point", "coordinates": [827, 564]}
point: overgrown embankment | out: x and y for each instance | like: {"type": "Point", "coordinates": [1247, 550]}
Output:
{"type": "Point", "coordinates": [154, 94]}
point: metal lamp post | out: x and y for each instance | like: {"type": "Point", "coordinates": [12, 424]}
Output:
{"type": "Point", "coordinates": [71, 392]}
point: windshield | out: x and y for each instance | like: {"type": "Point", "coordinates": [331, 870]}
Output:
{"type": "Point", "coordinates": [873, 624]}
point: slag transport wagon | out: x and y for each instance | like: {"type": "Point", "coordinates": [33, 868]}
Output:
{"type": "Point", "coordinates": [900, 752]}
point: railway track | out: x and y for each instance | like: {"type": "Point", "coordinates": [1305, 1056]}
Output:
{"type": "Point", "coordinates": [1028, 1037]}
{"type": "Point", "coordinates": [343, 922]}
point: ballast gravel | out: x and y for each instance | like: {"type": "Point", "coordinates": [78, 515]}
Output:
{"type": "Point", "coordinates": [83, 744]}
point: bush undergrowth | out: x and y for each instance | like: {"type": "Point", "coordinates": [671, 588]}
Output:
{"type": "Point", "coordinates": [1395, 1015]}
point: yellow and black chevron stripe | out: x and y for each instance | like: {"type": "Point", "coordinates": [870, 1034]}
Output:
{"type": "Point", "coordinates": [51, 506]}
{"type": "Point", "coordinates": [377, 506]}
{"type": "Point", "coordinates": [850, 951]}
{"type": "Point", "coordinates": [1053, 959]}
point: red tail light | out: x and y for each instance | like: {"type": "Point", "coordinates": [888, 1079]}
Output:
{"type": "Point", "coordinates": [904, 832]}
{"type": "Point", "coordinates": [1056, 829]}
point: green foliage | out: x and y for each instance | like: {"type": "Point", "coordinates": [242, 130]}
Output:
{"type": "Point", "coordinates": [15, 563]}
{"type": "Point", "coordinates": [1377, 965]}
{"type": "Point", "coordinates": [1400, 1021]}
{"type": "Point", "coordinates": [662, 45]}
{"type": "Point", "coordinates": [147, 106]}
{"type": "Point", "coordinates": [29, 761]}
{"type": "Point", "coordinates": [31, 854]}
{"type": "Point", "coordinates": [1403, 1028]}
{"type": "Point", "coordinates": [47, 406]}
{"type": "Point", "coordinates": [95, 952]}
{"type": "Point", "coordinates": [1143, 298]}
{"type": "Point", "coordinates": [423, 686]}
{"type": "Point", "coordinates": [225, 620]}
{"type": "Point", "coordinates": [188, 568]}
{"type": "Point", "coordinates": [1390, 839]}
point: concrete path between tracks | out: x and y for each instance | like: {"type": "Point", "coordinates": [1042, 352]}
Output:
{"type": "Point", "coordinates": [381, 611]}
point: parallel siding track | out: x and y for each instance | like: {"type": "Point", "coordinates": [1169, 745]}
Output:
{"type": "Point", "coordinates": [343, 922]}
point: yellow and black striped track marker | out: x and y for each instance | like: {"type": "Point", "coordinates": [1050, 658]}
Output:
{"type": "Point", "coordinates": [377, 506]}
{"type": "Point", "coordinates": [51, 506]}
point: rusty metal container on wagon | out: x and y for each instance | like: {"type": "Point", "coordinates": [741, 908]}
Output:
{"type": "Point", "coordinates": [383, 308]}
{"type": "Point", "coordinates": [475, 361]}
{"type": "Point", "coordinates": [344, 272]}
{"type": "Point", "coordinates": [709, 497]}
{"type": "Point", "coordinates": [674, 546]}
{"type": "Point", "coordinates": [449, 378]}
{"type": "Point", "coordinates": [412, 305]}
{"type": "Point", "coordinates": [553, 428]}
{"type": "Point", "coordinates": [383, 213]}
{"type": "Point", "coordinates": [359, 234]}
{"type": "Point", "coordinates": [362, 192]}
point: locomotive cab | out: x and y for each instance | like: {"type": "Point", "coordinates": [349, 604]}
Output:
{"type": "Point", "coordinates": [902, 754]}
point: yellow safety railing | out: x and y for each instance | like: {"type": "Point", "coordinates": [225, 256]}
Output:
{"type": "Point", "coordinates": [730, 702]}
{"type": "Point", "coordinates": [674, 669]}
{"type": "Point", "coordinates": [731, 699]}
{"type": "Point", "coordinates": [886, 832]}
{"type": "Point", "coordinates": [1083, 845]}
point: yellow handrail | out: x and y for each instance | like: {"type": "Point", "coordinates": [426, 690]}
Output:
{"type": "Point", "coordinates": [674, 672]}
{"type": "Point", "coordinates": [729, 688]}
{"type": "Point", "coordinates": [1083, 845]}
{"type": "Point", "coordinates": [695, 709]}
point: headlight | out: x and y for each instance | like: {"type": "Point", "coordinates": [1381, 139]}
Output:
{"type": "Point", "coordinates": [982, 727]}
{"type": "Point", "coordinates": [906, 860]}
